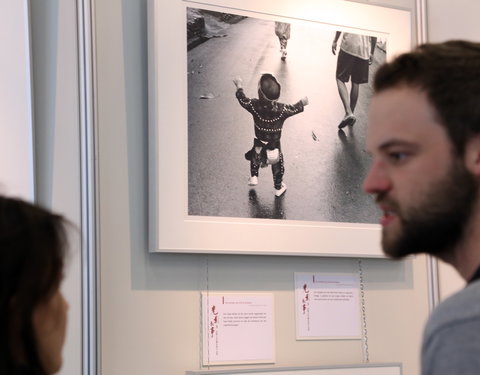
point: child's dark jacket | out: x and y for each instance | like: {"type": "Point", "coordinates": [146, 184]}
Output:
{"type": "Point", "coordinates": [268, 116]}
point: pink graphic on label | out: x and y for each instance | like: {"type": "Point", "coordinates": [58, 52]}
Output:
{"type": "Point", "coordinates": [214, 321]}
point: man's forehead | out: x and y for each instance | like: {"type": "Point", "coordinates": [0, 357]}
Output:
{"type": "Point", "coordinates": [403, 114]}
{"type": "Point", "coordinates": [401, 101]}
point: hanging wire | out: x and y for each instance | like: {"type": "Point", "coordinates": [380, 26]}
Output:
{"type": "Point", "coordinates": [366, 358]}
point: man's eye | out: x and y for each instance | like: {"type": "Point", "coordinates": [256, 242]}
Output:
{"type": "Point", "coordinates": [397, 156]}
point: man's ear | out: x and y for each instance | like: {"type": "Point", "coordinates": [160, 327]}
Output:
{"type": "Point", "coordinates": [472, 155]}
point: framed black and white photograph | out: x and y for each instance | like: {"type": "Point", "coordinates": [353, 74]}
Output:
{"type": "Point", "coordinates": [257, 125]}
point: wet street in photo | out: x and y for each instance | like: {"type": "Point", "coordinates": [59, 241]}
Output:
{"type": "Point", "coordinates": [324, 166]}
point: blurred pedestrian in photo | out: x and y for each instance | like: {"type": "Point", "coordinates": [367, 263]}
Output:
{"type": "Point", "coordinates": [282, 31]}
{"type": "Point", "coordinates": [354, 58]}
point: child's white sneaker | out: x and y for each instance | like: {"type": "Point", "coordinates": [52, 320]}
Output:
{"type": "Point", "coordinates": [280, 191]}
{"type": "Point", "coordinates": [253, 180]}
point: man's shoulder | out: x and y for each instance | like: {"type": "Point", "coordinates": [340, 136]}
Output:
{"type": "Point", "coordinates": [451, 341]}
{"type": "Point", "coordinates": [460, 307]}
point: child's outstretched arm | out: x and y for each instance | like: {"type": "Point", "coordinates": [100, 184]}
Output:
{"type": "Point", "coordinates": [238, 82]}
{"type": "Point", "coordinates": [293, 109]}
{"type": "Point", "coordinates": [241, 97]}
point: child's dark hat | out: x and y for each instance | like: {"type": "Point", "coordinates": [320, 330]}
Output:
{"type": "Point", "coordinates": [269, 86]}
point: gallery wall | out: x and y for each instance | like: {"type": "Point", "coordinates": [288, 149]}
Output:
{"type": "Point", "coordinates": [150, 313]}
{"type": "Point", "coordinates": [451, 22]}
{"type": "Point", "coordinates": [16, 130]}
{"type": "Point", "coordinates": [150, 302]}
{"type": "Point", "coordinates": [57, 140]}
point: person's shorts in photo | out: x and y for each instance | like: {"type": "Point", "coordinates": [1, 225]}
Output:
{"type": "Point", "coordinates": [351, 66]}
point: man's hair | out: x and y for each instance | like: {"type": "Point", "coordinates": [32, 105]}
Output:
{"type": "Point", "coordinates": [449, 74]}
{"type": "Point", "coordinates": [32, 249]}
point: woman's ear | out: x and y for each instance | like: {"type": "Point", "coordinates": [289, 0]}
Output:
{"type": "Point", "coordinates": [472, 155]}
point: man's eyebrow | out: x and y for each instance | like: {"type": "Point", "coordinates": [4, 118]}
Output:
{"type": "Point", "coordinates": [395, 143]}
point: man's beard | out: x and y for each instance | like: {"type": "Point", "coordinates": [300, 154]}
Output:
{"type": "Point", "coordinates": [438, 223]}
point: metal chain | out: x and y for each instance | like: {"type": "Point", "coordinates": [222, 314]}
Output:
{"type": "Point", "coordinates": [366, 358]}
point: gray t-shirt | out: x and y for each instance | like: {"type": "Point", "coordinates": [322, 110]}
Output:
{"type": "Point", "coordinates": [451, 340]}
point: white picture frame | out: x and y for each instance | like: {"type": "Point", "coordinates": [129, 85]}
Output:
{"type": "Point", "coordinates": [171, 229]}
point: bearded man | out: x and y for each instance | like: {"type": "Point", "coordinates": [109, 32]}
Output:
{"type": "Point", "coordinates": [424, 138]}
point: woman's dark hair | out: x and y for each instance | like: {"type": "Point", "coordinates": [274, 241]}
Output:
{"type": "Point", "coordinates": [449, 75]}
{"type": "Point", "coordinates": [32, 249]}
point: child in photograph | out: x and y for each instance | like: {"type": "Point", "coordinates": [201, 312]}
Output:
{"type": "Point", "coordinates": [268, 117]}
{"type": "Point", "coordinates": [282, 31]}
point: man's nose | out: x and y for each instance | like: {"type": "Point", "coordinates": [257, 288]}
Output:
{"type": "Point", "coordinates": [377, 179]}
